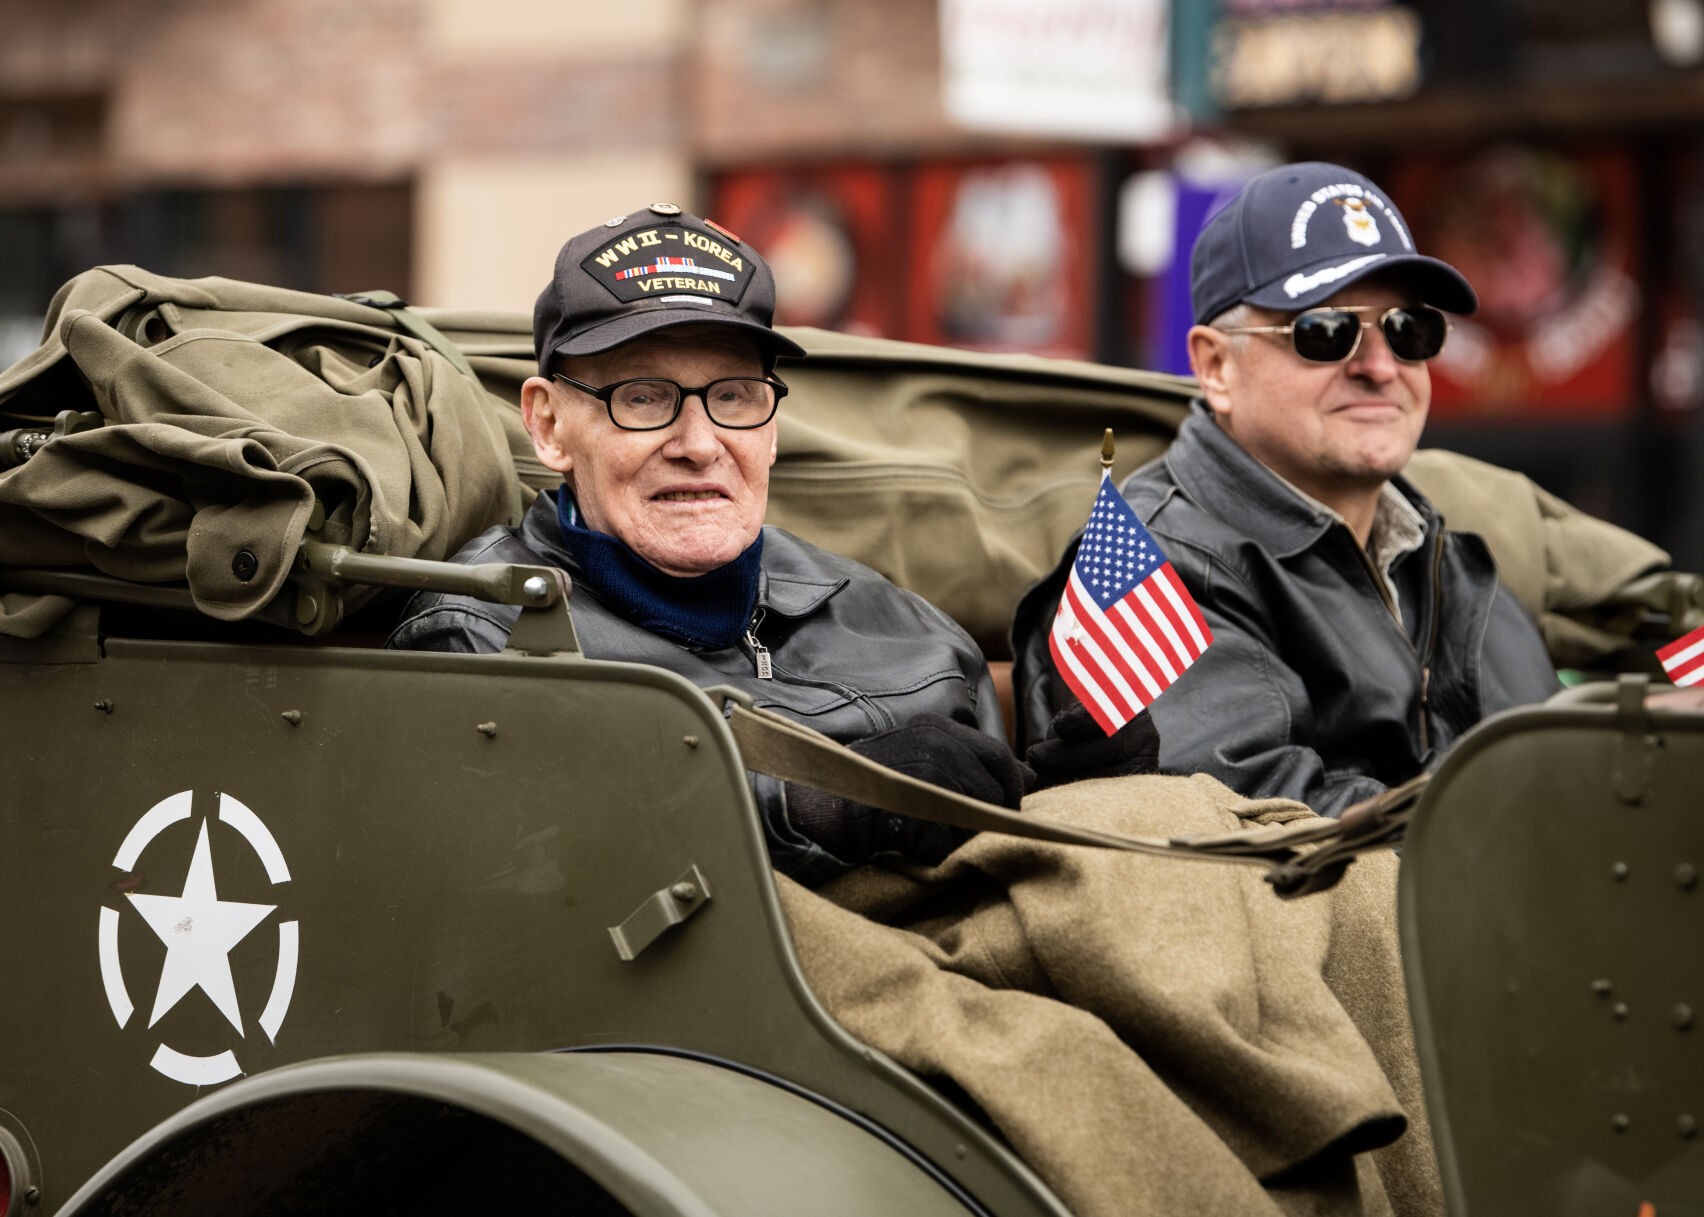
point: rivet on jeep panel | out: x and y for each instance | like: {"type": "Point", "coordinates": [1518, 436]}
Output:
{"type": "Point", "coordinates": [104, 705]}
{"type": "Point", "coordinates": [488, 730]}
{"type": "Point", "coordinates": [1619, 1009]}
{"type": "Point", "coordinates": [1620, 1122]}
{"type": "Point", "coordinates": [691, 741]}
{"type": "Point", "coordinates": [1686, 1125]}
{"type": "Point", "coordinates": [684, 892]}
{"type": "Point", "coordinates": [1686, 876]}
{"type": "Point", "coordinates": [1620, 871]}
{"type": "Point", "coordinates": [1602, 987]}
{"type": "Point", "coordinates": [293, 717]}
{"type": "Point", "coordinates": [1682, 1015]}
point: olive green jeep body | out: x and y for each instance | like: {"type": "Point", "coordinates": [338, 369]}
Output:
{"type": "Point", "coordinates": [490, 933]}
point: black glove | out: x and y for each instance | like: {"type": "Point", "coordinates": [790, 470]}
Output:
{"type": "Point", "coordinates": [932, 748]}
{"type": "Point", "coordinates": [1077, 748]}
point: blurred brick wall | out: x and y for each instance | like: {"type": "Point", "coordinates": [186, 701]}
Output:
{"type": "Point", "coordinates": [506, 124]}
{"type": "Point", "coordinates": [780, 78]}
{"type": "Point", "coordinates": [212, 91]}
{"type": "Point", "coordinates": [242, 91]}
{"type": "Point", "coordinates": [514, 122]}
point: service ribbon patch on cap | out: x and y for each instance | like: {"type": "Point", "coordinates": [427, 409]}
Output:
{"type": "Point", "coordinates": [670, 260]}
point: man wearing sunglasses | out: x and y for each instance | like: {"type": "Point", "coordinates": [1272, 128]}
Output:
{"type": "Point", "coordinates": [1354, 637]}
{"type": "Point", "coordinates": [656, 401]}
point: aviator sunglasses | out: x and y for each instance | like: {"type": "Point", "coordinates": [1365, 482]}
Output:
{"type": "Point", "coordinates": [1415, 333]}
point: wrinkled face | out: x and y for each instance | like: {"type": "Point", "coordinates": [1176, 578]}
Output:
{"type": "Point", "coordinates": [1329, 429]}
{"type": "Point", "coordinates": [687, 498]}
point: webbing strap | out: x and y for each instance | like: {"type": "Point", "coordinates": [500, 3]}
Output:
{"type": "Point", "coordinates": [794, 752]}
{"type": "Point", "coordinates": [412, 322]}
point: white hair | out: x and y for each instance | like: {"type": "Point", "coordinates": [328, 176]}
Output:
{"type": "Point", "coordinates": [1238, 315]}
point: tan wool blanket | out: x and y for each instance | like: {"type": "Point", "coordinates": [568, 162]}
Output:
{"type": "Point", "coordinates": [1151, 1035]}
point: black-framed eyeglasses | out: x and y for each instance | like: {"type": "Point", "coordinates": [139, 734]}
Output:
{"type": "Point", "coordinates": [1415, 333]}
{"type": "Point", "coordinates": [650, 403]}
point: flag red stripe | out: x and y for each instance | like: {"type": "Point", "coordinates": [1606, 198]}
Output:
{"type": "Point", "coordinates": [1681, 644]}
{"type": "Point", "coordinates": [1201, 636]}
{"type": "Point", "coordinates": [1145, 609]}
{"type": "Point", "coordinates": [1176, 616]}
{"type": "Point", "coordinates": [1088, 680]}
{"type": "Point", "coordinates": [1095, 680]}
{"type": "Point", "coordinates": [1683, 659]}
{"type": "Point", "coordinates": [1141, 688]}
{"type": "Point", "coordinates": [1122, 651]}
{"type": "Point", "coordinates": [1081, 683]}
{"type": "Point", "coordinates": [1095, 666]}
{"type": "Point", "coordinates": [1685, 668]}
{"type": "Point", "coordinates": [1147, 635]}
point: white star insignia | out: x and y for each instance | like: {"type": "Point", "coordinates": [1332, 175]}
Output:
{"type": "Point", "coordinates": [199, 931]}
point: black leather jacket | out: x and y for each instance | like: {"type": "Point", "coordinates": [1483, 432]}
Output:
{"type": "Point", "coordinates": [1311, 689]}
{"type": "Point", "coordinates": [852, 653]}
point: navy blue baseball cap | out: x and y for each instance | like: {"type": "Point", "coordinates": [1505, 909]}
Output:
{"type": "Point", "coordinates": [647, 271]}
{"type": "Point", "coordinates": [1298, 234]}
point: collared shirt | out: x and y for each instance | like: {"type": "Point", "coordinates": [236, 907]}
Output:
{"type": "Point", "coordinates": [1398, 530]}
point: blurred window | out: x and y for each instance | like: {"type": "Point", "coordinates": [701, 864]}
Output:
{"type": "Point", "coordinates": [335, 237]}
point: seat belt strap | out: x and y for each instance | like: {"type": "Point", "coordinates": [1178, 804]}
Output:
{"type": "Point", "coordinates": [793, 752]}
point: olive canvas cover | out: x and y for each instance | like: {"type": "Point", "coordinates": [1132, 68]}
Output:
{"type": "Point", "coordinates": [229, 408]}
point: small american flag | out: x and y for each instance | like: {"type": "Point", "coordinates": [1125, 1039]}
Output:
{"type": "Point", "coordinates": [1683, 659]}
{"type": "Point", "coordinates": [1127, 628]}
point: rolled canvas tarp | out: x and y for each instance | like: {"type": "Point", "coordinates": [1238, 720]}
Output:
{"type": "Point", "coordinates": [228, 409]}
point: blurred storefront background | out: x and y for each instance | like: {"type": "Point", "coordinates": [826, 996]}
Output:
{"type": "Point", "coordinates": [996, 174]}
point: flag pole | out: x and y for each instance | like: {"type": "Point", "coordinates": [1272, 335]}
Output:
{"type": "Point", "coordinates": [1126, 627]}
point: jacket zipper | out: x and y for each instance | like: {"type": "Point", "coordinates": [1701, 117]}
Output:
{"type": "Point", "coordinates": [759, 652]}
{"type": "Point", "coordinates": [1431, 628]}
{"type": "Point", "coordinates": [879, 718]}
{"type": "Point", "coordinates": [1431, 646]}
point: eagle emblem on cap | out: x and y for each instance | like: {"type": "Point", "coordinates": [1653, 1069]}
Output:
{"type": "Point", "coordinates": [1359, 221]}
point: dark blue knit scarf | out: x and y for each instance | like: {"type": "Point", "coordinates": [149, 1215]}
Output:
{"type": "Point", "coordinates": [709, 610]}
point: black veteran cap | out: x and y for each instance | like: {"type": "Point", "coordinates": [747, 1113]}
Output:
{"type": "Point", "coordinates": [1297, 234]}
{"type": "Point", "coordinates": [647, 271]}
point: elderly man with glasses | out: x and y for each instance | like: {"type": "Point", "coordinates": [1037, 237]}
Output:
{"type": "Point", "coordinates": [656, 400]}
{"type": "Point", "coordinates": [1355, 636]}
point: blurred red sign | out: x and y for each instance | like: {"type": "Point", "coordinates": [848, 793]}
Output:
{"type": "Point", "coordinates": [1550, 242]}
{"type": "Point", "coordinates": [826, 233]}
{"type": "Point", "coordinates": [1001, 256]}
{"type": "Point", "coordinates": [988, 255]}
